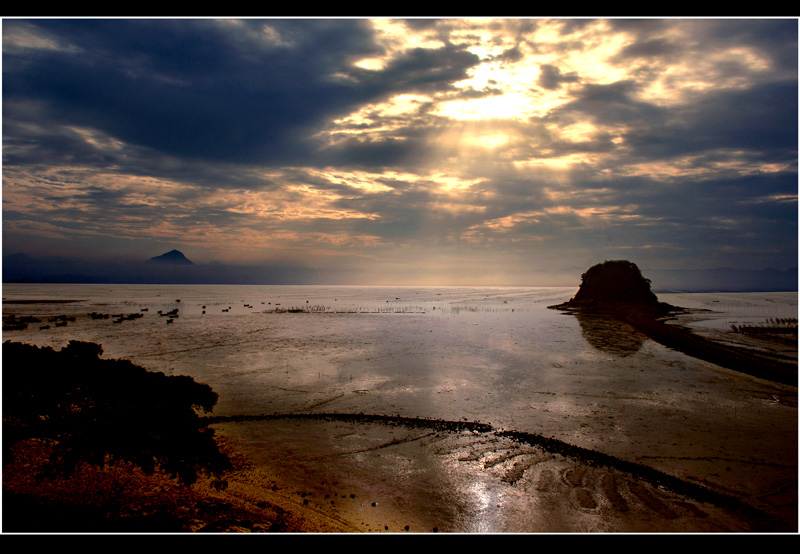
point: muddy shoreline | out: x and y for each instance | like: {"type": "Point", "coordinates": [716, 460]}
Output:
{"type": "Point", "coordinates": [650, 321]}
{"type": "Point", "coordinates": [758, 519]}
{"type": "Point", "coordinates": [530, 477]}
{"type": "Point", "coordinates": [628, 439]}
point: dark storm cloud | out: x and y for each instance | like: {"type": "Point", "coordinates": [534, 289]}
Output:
{"type": "Point", "coordinates": [210, 91]}
{"type": "Point", "coordinates": [420, 70]}
{"type": "Point", "coordinates": [762, 119]}
{"type": "Point", "coordinates": [774, 38]}
{"type": "Point", "coordinates": [384, 152]}
{"type": "Point", "coordinates": [552, 78]}
{"type": "Point", "coordinates": [614, 104]}
{"type": "Point", "coordinates": [642, 29]}
{"type": "Point", "coordinates": [673, 137]}
{"type": "Point", "coordinates": [421, 24]}
{"type": "Point", "coordinates": [572, 25]}
{"type": "Point", "coordinates": [512, 55]}
{"type": "Point", "coordinates": [647, 48]}
{"type": "Point", "coordinates": [195, 89]}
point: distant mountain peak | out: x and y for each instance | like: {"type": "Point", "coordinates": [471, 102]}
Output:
{"type": "Point", "coordinates": [174, 257]}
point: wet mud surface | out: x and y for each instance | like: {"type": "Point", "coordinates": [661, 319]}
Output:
{"type": "Point", "coordinates": [373, 473]}
{"type": "Point", "coordinates": [523, 419]}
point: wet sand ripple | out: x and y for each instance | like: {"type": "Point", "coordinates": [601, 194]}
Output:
{"type": "Point", "coordinates": [594, 473]}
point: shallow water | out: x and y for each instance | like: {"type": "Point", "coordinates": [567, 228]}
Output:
{"type": "Point", "coordinates": [494, 355]}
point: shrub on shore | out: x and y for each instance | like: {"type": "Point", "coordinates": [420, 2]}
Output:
{"type": "Point", "coordinates": [102, 411]}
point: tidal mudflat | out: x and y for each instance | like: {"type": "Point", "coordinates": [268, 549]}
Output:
{"type": "Point", "coordinates": [413, 409]}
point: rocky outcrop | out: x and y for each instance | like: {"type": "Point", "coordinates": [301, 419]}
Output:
{"type": "Point", "coordinates": [613, 286]}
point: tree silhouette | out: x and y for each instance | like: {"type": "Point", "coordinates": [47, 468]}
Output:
{"type": "Point", "coordinates": [100, 410]}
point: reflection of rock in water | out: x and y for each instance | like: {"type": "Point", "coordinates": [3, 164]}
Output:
{"type": "Point", "coordinates": [610, 335]}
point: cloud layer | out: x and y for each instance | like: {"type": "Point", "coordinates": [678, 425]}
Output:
{"type": "Point", "coordinates": [404, 151]}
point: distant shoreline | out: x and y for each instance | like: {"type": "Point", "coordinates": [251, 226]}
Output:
{"type": "Point", "coordinates": [44, 301]}
{"type": "Point", "coordinates": [745, 290]}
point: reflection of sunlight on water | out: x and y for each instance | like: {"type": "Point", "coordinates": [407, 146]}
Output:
{"type": "Point", "coordinates": [486, 503]}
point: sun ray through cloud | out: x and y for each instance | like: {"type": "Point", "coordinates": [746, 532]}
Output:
{"type": "Point", "coordinates": [374, 137]}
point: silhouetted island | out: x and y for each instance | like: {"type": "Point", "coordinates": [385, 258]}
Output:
{"type": "Point", "coordinates": [618, 289]}
{"type": "Point", "coordinates": [613, 286]}
{"type": "Point", "coordinates": [173, 257]}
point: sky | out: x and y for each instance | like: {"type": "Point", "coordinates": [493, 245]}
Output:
{"type": "Point", "coordinates": [402, 151]}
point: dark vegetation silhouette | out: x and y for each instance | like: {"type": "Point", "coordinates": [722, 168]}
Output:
{"type": "Point", "coordinates": [100, 411]}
